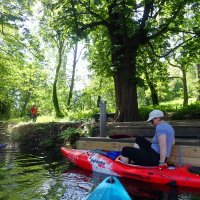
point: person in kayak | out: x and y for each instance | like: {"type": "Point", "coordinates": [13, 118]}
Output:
{"type": "Point", "coordinates": [157, 151]}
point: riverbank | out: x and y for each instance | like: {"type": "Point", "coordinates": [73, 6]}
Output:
{"type": "Point", "coordinates": [35, 135]}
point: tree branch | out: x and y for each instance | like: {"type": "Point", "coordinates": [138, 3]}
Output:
{"type": "Point", "coordinates": [164, 27]}
{"type": "Point", "coordinates": [147, 8]}
{"type": "Point", "coordinates": [6, 51]}
{"type": "Point", "coordinates": [93, 13]}
{"type": "Point", "coordinates": [89, 25]}
{"type": "Point", "coordinates": [75, 16]}
{"type": "Point", "coordinates": [159, 10]}
{"type": "Point", "coordinates": [27, 47]}
{"type": "Point", "coordinates": [92, 25]}
{"type": "Point", "coordinates": [173, 65]}
{"type": "Point", "coordinates": [170, 51]}
{"type": "Point", "coordinates": [183, 31]}
{"type": "Point", "coordinates": [172, 77]}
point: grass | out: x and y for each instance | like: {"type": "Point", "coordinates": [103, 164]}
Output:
{"type": "Point", "coordinates": [178, 102]}
{"type": "Point", "coordinates": [40, 119]}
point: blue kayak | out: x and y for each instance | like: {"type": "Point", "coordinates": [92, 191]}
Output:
{"type": "Point", "coordinates": [110, 188]}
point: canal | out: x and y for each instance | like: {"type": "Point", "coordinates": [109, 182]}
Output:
{"type": "Point", "coordinates": [45, 175]}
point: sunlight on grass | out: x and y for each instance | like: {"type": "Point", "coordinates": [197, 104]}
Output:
{"type": "Point", "coordinates": [40, 119]}
{"type": "Point", "coordinates": [178, 102]}
{"type": "Point", "coordinates": [43, 119]}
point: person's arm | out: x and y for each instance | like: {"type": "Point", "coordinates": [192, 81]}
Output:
{"type": "Point", "coordinates": [163, 148]}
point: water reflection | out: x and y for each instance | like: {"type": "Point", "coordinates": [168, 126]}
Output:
{"type": "Point", "coordinates": [29, 176]}
{"type": "Point", "coordinates": [84, 182]}
{"type": "Point", "coordinates": [80, 183]}
{"type": "Point", "coordinates": [46, 175]}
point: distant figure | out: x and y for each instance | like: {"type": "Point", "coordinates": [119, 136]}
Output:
{"type": "Point", "coordinates": [34, 111]}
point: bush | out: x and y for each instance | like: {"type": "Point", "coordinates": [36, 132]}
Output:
{"type": "Point", "coordinates": [144, 111]}
{"type": "Point", "coordinates": [191, 111]}
{"type": "Point", "coordinates": [81, 115]}
{"type": "Point", "coordinates": [68, 133]}
{"type": "Point", "coordinates": [72, 134]}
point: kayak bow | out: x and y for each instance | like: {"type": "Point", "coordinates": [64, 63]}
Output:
{"type": "Point", "coordinates": [109, 188]}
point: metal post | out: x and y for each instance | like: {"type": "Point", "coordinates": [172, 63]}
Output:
{"type": "Point", "coordinates": [103, 119]}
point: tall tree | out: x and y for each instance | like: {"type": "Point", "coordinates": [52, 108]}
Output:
{"type": "Point", "coordinates": [76, 56]}
{"type": "Point", "coordinates": [55, 36]}
{"type": "Point", "coordinates": [60, 41]}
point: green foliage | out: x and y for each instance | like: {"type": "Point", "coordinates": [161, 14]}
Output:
{"type": "Point", "coordinates": [72, 134]}
{"type": "Point", "coordinates": [81, 114]}
{"type": "Point", "coordinates": [191, 111]}
{"type": "Point", "coordinates": [68, 133]}
{"type": "Point", "coordinates": [144, 111]}
{"type": "Point", "coordinates": [173, 110]}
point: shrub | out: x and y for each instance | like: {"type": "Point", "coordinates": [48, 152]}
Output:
{"type": "Point", "coordinates": [191, 111]}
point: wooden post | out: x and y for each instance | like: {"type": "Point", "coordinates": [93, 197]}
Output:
{"type": "Point", "coordinates": [103, 119]}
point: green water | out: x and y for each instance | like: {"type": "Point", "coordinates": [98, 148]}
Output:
{"type": "Point", "coordinates": [27, 176]}
{"type": "Point", "coordinates": [46, 175]}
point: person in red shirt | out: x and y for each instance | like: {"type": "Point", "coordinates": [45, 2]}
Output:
{"type": "Point", "coordinates": [34, 111]}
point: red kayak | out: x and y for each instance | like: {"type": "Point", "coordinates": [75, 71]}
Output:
{"type": "Point", "coordinates": [103, 162]}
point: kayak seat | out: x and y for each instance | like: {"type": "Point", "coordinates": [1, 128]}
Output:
{"type": "Point", "coordinates": [112, 154]}
{"type": "Point", "coordinates": [109, 154]}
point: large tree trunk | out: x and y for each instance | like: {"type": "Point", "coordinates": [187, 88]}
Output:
{"type": "Point", "coordinates": [126, 97]}
{"type": "Point", "coordinates": [125, 82]}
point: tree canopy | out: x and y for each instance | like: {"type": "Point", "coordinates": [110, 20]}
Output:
{"type": "Point", "coordinates": [131, 44]}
